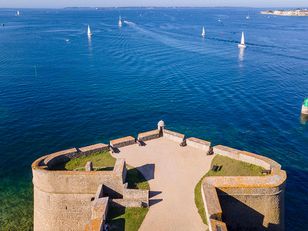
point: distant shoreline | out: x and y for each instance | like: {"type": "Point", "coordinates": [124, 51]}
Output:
{"type": "Point", "coordinates": [302, 12]}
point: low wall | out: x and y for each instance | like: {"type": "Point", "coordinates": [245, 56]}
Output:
{"type": "Point", "coordinates": [175, 136]}
{"type": "Point", "coordinates": [121, 142]}
{"type": "Point", "coordinates": [247, 157]}
{"type": "Point", "coordinates": [137, 195]}
{"type": "Point", "coordinates": [257, 200]}
{"type": "Point", "coordinates": [88, 150]}
{"type": "Point", "coordinates": [99, 210]}
{"type": "Point", "coordinates": [60, 157]}
{"type": "Point", "coordinates": [144, 136]}
{"type": "Point", "coordinates": [63, 199]}
{"type": "Point", "coordinates": [198, 143]}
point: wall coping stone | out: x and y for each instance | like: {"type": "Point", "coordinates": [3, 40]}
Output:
{"type": "Point", "coordinates": [94, 147]}
{"type": "Point", "coordinates": [121, 142]}
{"type": "Point", "coordinates": [179, 135]}
{"type": "Point", "coordinates": [199, 141]}
{"type": "Point", "coordinates": [149, 135]}
{"type": "Point", "coordinates": [59, 153]}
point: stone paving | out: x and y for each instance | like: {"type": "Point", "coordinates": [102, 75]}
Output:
{"type": "Point", "coordinates": [173, 173]}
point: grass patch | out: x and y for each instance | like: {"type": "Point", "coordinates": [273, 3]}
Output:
{"type": "Point", "coordinates": [128, 219]}
{"type": "Point", "coordinates": [135, 179]}
{"type": "Point", "coordinates": [101, 161]}
{"type": "Point", "coordinates": [199, 201]}
{"type": "Point", "coordinates": [230, 167]}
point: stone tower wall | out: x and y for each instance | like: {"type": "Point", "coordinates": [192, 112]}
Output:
{"type": "Point", "coordinates": [62, 199]}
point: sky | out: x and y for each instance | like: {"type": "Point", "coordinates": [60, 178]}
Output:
{"type": "Point", "coordinates": [125, 3]}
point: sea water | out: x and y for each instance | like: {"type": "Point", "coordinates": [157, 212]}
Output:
{"type": "Point", "coordinates": [59, 89]}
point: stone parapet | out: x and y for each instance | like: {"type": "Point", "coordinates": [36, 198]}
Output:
{"type": "Point", "coordinates": [59, 157]}
{"type": "Point", "coordinates": [247, 157]}
{"type": "Point", "coordinates": [248, 197]}
{"type": "Point", "coordinates": [98, 217]}
{"type": "Point", "coordinates": [126, 203]}
{"type": "Point", "coordinates": [175, 136]}
{"type": "Point", "coordinates": [198, 143]}
{"type": "Point", "coordinates": [120, 169]}
{"type": "Point", "coordinates": [88, 150]}
{"type": "Point", "coordinates": [149, 135]}
{"type": "Point", "coordinates": [122, 142]}
{"type": "Point", "coordinates": [139, 195]}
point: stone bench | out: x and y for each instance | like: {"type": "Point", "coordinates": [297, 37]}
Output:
{"type": "Point", "coordinates": [175, 136]}
{"type": "Point", "coordinates": [122, 142]}
{"type": "Point", "coordinates": [87, 150]}
{"type": "Point", "coordinates": [198, 143]}
{"type": "Point", "coordinates": [149, 135]}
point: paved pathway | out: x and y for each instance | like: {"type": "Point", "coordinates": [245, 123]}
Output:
{"type": "Point", "coordinates": [173, 173]}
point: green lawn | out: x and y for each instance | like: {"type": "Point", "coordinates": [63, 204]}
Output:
{"type": "Point", "coordinates": [230, 167]}
{"type": "Point", "coordinates": [128, 219]}
{"type": "Point", "coordinates": [100, 160]}
{"type": "Point", "coordinates": [135, 179]}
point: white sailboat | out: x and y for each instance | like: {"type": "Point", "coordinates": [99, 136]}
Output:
{"type": "Point", "coordinates": [17, 13]}
{"type": "Point", "coordinates": [203, 32]}
{"type": "Point", "coordinates": [242, 44]}
{"type": "Point", "coordinates": [247, 17]}
{"type": "Point", "coordinates": [120, 21]}
{"type": "Point", "coordinates": [89, 31]}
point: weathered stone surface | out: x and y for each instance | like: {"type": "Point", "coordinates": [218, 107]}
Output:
{"type": "Point", "coordinates": [59, 157]}
{"type": "Point", "coordinates": [121, 142]}
{"type": "Point", "coordinates": [175, 136]}
{"type": "Point", "coordinates": [144, 136]}
{"type": "Point", "coordinates": [126, 203]}
{"type": "Point", "coordinates": [87, 150]}
{"type": "Point", "coordinates": [63, 199]}
{"type": "Point", "coordinates": [141, 196]}
{"type": "Point", "coordinates": [89, 166]}
{"type": "Point", "coordinates": [198, 143]}
{"type": "Point", "coordinates": [258, 200]}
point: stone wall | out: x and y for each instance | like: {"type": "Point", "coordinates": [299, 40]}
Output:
{"type": "Point", "coordinates": [69, 200]}
{"type": "Point", "coordinates": [144, 136]}
{"type": "Point", "coordinates": [257, 200]}
{"type": "Point", "coordinates": [175, 136]}
{"type": "Point", "coordinates": [121, 142]}
{"type": "Point", "coordinates": [198, 143]}
{"type": "Point", "coordinates": [62, 199]}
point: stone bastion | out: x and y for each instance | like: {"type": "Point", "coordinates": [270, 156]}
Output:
{"type": "Point", "coordinates": [245, 202]}
{"type": "Point", "coordinates": [79, 200]}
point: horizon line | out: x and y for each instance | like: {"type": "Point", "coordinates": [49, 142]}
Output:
{"type": "Point", "coordinates": [108, 7]}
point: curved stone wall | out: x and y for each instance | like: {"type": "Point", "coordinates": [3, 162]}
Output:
{"type": "Point", "coordinates": [245, 202]}
{"type": "Point", "coordinates": [62, 199]}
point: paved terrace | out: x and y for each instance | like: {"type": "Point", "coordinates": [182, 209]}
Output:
{"type": "Point", "coordinates": [173, 173]}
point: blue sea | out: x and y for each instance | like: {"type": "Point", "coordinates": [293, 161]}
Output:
{"type": "Point", "coordinates": [59, 89]}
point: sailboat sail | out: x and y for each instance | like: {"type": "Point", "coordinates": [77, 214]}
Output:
{"type": "Point", "coordinates": [120, 21]}
{"type": "Point", "coordinates": [17, 13]}
{"type": "Point", "coordinates": [89, 31]}
{"type": "Point", "coordinates": [242, 44]}
{"type": "Point", "coordinates": [243, 39]}
{"type": "Point", "coordinates": [203, 32]}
